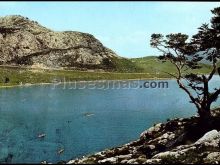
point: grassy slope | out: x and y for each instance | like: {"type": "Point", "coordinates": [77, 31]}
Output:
{"type": "Point", "coordinates": [152, 65]}
{"type": "Point", "coordinates": [137, 68]}
{"type": "Point", "coordinates": [126, 65]}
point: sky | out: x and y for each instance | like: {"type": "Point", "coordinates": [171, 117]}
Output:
{"type": "Point", "coordinates": [124, 27]}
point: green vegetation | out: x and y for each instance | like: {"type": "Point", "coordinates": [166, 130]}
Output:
{"type": "Point", "coordinates": [153, 65]}
{"type": "Point", "coordinates": [17, 76]}
{"type": "Point", "coordinates": [126, 65]}
{"type": "Point", "coordinates": [136, 68]}
{"type": "Point", "coordinates": [149, 64]}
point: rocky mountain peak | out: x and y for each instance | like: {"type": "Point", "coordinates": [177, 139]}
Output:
{"type": "Point", "coordinates": [26, 42]}
{"type": "Point", "coordinates": [22, 23]}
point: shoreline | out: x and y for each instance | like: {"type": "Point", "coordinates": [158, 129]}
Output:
{"type": "Point", "coordinates": [80, 81]}
{"type": "Point", "coordinates": [161, 144]}
{"type": "Point", "coordinates": [96, 76]}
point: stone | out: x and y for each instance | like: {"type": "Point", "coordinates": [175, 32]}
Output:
{"type": "Point", "coordinates": [209, 137]}
{"type": "Point", "coordinates": [213, 157]}
{"type": "Point", "coordinates": [124, 161]}
{"type": "Point", "coordinates": [151, 147]}
{"type": "Point", "coordinates": [132, 161]}
{"type": "Point", "coordinates": [151, 130]}
{"type": "Point", "coordinates": [109, 160]}
{"type": "Point", "coordinates": [152, 161]}
{"type": "Point", "coordinates": [121, 157]}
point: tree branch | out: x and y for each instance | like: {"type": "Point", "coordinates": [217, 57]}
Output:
{"type": "Point", "coordinates": [189, 94]}
{"type": "Point", "coordinates": [213, 70]}
{"type": "Point", "coordinates": [214, 96]}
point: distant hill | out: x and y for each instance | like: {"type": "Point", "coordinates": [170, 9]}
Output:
{"type": "Point", "coordinates": [26, 42]}
{"type": "Point", "coordinates": [151, 64]}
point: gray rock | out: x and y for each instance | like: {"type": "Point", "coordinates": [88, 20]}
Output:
{"type": "Point", "coordinates": [25, 42]}
{"type": "Point", "coordinates": [213, 157]}
{"type": "Point", "coordinates": [132, 161]}
{"type": "Point", "coordinates": [151, 147]}
{"type": "Point", "coordinates": [209, 137]}
{"type": "Point", "coordinates": [153, 161]}
{"type": "Point", "coordinates": [124, 161]}
{"type": "Point", "coordinates": [109, 160]}
{"type": "Point", "coordinates": [187, 153]}
{"type": "Point", "coordinates": [121, 157]}
{"type": "Point", "coordinates": [151, 131]}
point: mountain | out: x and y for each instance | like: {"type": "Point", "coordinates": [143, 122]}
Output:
{"type": "Point", "coordinates": [26, 42]}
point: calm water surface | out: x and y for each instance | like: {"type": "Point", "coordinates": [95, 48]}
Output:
{"type": "Point", "coordinates": [81, 121]}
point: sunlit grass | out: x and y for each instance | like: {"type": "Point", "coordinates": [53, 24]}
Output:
{"type": "Point", "coordinates": [137, 68]}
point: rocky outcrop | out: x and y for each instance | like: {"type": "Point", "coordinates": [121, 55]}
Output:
{"type": "Point", "coordinates": [177, 141]}
{"type": "Point", "coordinates": [205, 150]}
{"type": "Point", "coordinates": [25, 42]}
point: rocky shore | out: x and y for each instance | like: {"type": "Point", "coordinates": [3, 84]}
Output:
{"type": "Point", "coordinates": [177, 141]}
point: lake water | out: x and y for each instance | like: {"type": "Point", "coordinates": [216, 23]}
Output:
{"type": "Point", "coordinates": [81, 121]}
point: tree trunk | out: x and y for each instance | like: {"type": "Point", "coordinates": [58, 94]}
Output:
{"type": "Point", "coordinates": [205, 113]}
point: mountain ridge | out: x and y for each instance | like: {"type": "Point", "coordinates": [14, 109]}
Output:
{"type": "Point", "coordinates": [26, 42]}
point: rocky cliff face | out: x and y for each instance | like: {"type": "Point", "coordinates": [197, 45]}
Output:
{"type": "Point", "coordinates": [25, 42]}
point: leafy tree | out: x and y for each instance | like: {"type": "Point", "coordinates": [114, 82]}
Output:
{"type": "Point", "coordinates": [187, 54]}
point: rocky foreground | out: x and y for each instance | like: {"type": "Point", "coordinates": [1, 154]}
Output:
{"type": "Point", "coordinates": [177, 141]}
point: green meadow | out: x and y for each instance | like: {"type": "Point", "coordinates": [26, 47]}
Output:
{"type": "Point", "coordinates": [136, 68]}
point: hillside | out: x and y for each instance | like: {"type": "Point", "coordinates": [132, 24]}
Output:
{"type": "Point", "coordinates": [151, 64]}
{"type": "Point", "coordinates": [24, 42]}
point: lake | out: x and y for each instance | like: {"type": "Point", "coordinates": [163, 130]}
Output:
{"type": "Point", "coordinates": [81, 121]}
